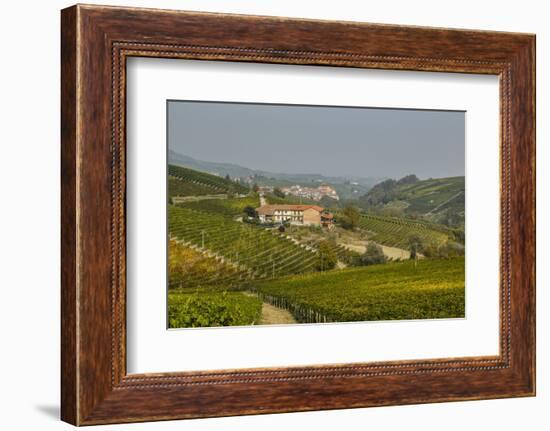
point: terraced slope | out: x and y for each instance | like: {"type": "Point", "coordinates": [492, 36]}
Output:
{"type": "Point", "coordinates": [434, 195]}
{"type": "Point", "coordinates": [395, 232]}
{"type": "Point", "coordinates": [434, 199]}
{"type": "Point", "coordinates": [188, 182]}
{"type": "Point", "coordinates": [229, 207]}
{"type": "Point", "coordinates": [263, 253]}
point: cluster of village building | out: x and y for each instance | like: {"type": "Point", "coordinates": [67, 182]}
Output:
{"type": "Point", "coordinates": [313, 193]}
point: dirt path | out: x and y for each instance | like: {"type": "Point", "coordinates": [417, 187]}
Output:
{"type": "Point", "coordinates": [390, 252]}
{"type": "Point", "coordinates": [272, 315]}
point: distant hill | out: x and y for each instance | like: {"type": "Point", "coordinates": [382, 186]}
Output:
{"type": "Point", "coordinates": [347, 187]}
{"type": "Point", "coordinates": [215, 168]}
{"type": "Point", "coordinates": [441, 200]}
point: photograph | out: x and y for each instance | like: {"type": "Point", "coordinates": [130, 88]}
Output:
{"type": "Point", "coordinates": [284, 214]}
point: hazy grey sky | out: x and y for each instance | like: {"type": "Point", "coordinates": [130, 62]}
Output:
{"type": "Point", "coordinates": [333, 141]}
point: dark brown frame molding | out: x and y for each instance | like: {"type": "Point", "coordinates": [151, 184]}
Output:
{"type": "Point", "coordinates": [95, 43]}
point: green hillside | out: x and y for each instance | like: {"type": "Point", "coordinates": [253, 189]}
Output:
{"type": "Point", "coordinates": [188, 182]}
{"type": "Point", "coordinates": [440, 200]}
{"type": "Point", "coordinates": [229, 207]}
{"type": "Point", "coordinates": [395, 232]}
{"type": "Point", "coordinates": [433, 288]}
{"type": "Point", "coordinates": [433, 195]}
{"type": "Point", "coordinates": [262, 252]}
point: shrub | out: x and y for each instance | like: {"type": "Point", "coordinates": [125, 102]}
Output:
{"type": "Point", "coordinates": [373, 255]}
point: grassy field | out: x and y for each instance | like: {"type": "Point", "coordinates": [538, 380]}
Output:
{"type": "Point", "coordinates": [393, 291]}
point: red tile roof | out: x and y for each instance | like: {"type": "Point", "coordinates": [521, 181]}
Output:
{"type": "Point", "coordinates": [270, 209]}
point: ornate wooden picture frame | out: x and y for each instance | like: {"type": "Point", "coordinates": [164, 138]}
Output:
{"type": "Point", "coordinates": [96, 41]}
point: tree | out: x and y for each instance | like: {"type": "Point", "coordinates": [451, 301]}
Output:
{"type": "Point", "coordinates": [327, 257]}
{"type": "Point", "coordinates": [373, 255]}
{"type": "Point", "coordinates": [255, 188]}
{"type": "Point", "coordinates": [227, 177]}
{"type": "Point", "coordinates": [328, 202]}
{"type": "Point", "coordinates": [278, 192]}
{"type": "Point", "coordinates": [249, 211]}
{"type": "Point", "coordinates": [408, 179]}
{"type": "Point", "coordinates": [350, 218]}
{"type": "Point", "coordinates": [415, 246]}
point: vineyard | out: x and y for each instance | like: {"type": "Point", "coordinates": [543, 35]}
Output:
{"type": "Point", "coordinates": [434, 194]}
{"type": "Point", "coordinates": [434, 288]}
{"type": "Point", "coordinates": [261, 252]}
{"type": "Point", "coordinates": [343, 254]}
{"type": "Point", "coordinates": [223, 267]}
{"type": "Point", "coordinates": [189, 182]}
{"type": "Point", "coordinates": [189, 268]}
{"type": "Point", "coordinates": [204, 308]}
{"type": "Point", "coordinates": [228, 207]}
{"type": "Point", "coordinates": [176, 187]}
{"type": "Point", "coordinates": [395, 232]}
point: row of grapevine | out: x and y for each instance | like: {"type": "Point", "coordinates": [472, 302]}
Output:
{"type": "Point", "coordinates": [302, 313]}
{"type": "Point", "coordinates": [190, 268]}
{"type": "Point", "coordinates": [265, 254]}
{"type": "Point", "coordinates": [219, 184]}
{"type": "Point", "coordinates": [208, 309]}
{"type": "Point", "coordinates": [177, 187]}
{"type": "Point", "coordinates": [395, 232]}
{"type": "Point", "coordinates": [229, 207]}
{"type": "Point", "coordinates": [431, 288]}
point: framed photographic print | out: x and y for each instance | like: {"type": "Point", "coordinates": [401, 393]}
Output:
{"type": "Point", "coordinates": [267, 215]}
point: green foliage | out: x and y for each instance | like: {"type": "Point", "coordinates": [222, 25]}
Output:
{"type": "Point", "coordinates": [408, 179]}
{"type": "Point", "coordinates": [278, 193]}
{"type": "Point", "coordinates": [381, 193]}
{"type": "Point", "coordinates": [349, 218]}
{"type": "Point", "coordinates": [207, 309]}
{"type": "Point", "coordinates": [327, 256]}
{"type": "Point", "coordinates": [328, 202]}
{"type": "Point", "coordinates": [249, 211]}
{"type": "Point", "coordinates": [394, 291]}
{"type": "Point", "coordinates": [373, 254]}
{"type": "Point", "coordinates": [415, 245]}
{"type": "Point", "coordinates": [446, 250]}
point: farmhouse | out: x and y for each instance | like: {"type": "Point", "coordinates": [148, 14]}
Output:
{"type": "Point", "coordinates": [309, 215]}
